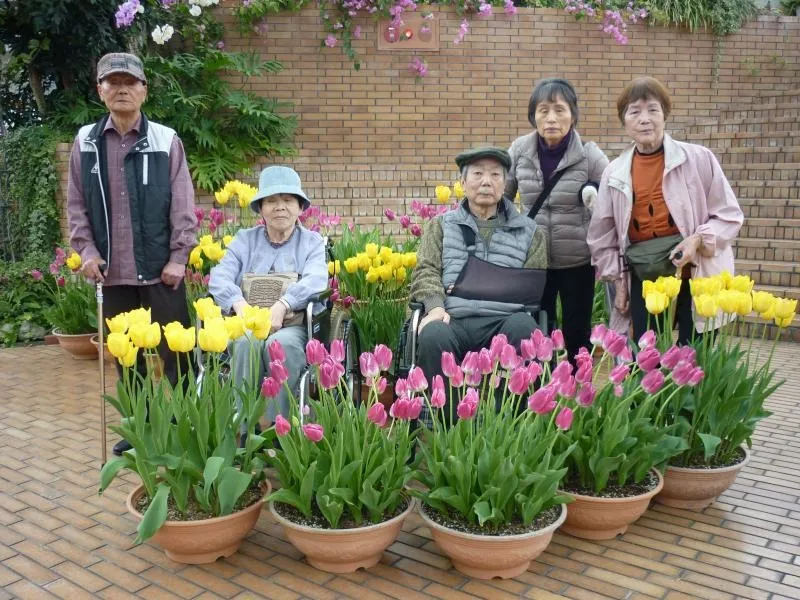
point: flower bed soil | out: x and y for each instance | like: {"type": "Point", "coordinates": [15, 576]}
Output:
{"type": "Point", "coordinates": [697, 462]}
{"type": "Point", "coordinates": [516, 527]}
{"type": "Point", "coordinates": [318, 521]}
{"type": "Point", "coordinates": [193, 510]}
{"type": "Point", "coordinates": [648, 484]}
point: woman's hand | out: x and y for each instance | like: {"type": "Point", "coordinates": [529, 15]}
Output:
{"type": "Point", "coordinates": [685, 252]}
{"type": "Point", "coordinates": [621, 300]}
{"type": "Point", "coordinates": [239, 307]}
{"type": "Point", "coordinates": [277, 313]}
{"type": "Point", "coordinates": [437, 314]}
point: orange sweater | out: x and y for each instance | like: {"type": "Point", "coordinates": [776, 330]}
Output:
{"type": "Point", "coordinates": [650, 216]}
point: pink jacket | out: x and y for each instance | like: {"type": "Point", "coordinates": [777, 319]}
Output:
{"type": "Point", "coordinates": [698, 196]}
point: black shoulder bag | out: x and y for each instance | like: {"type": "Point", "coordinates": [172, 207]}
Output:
{"type": "Point", "coordinates": [545, 193]}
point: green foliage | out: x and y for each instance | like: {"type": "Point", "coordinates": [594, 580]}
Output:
{"type": "Point", "coordinates": [722, 17]}
{"type": "Point", "coordinates": [23, 301]}
{"type": "Point", "coordinates": [31, 211]}
{"type": "Point", "coordinates": [184, 442]}
{"type": "Point", "coordinates": [789, 7]}
{"type": "Point", "coordinates": [74, 306]}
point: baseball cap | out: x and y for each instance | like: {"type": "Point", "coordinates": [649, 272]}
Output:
{"type": "Point", "coordinates": [120, 62]}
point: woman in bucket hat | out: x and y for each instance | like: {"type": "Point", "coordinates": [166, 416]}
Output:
{"type": "Point", "coordinates": [280, 245]}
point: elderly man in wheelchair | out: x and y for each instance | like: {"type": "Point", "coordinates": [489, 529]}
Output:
{"type": "Point", "coordinates": [480, 268]}
{"type": "Point", "coordinates": [280, 264]}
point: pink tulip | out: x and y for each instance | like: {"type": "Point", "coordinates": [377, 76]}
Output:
{"type": "Point", "coordinates": [583, 357]}
{"type": "Point", "coordinates": [415, 230]}
{"type": "Point", "coordinates": [199, 214]}
{"type": "Point", "coordinates": [369, 364]}
{"type": "Point", "coordinates": [534, 371]}
{"type": "Point", "coordinates": [618, 390]}
{"type": "Point", "coordinates": [377, 414]}
{"type": "Point", "coordinates": [417, 380]}
{"type": "Point", "coordinates": [457, 380]}
{"type": "Point", "coordinates": [402, 389]}
{"type": "Point", "coordinates": [648, 359]}
{"type": "Point", "coordinates": [586, 395]}
{"type": "Point", "coordinates": [415, 408]}
{"type": "Point", "coordinates": [449, 366]}
{"type": "Point", "coordinates": [508, 357]}
{"type": "Point", "coordinates": [279, 371]}
{"type": "Point", "coordinates": [584, 373]}
{"type": "Point", "coordinates": [330, 372]}
{"type": "Point", "coordinates": [37, 275]}
{"type": "Point", "coordinates": [682, 372]}
{"type": "Point", "coordinates": [543, 400]}
{"type": "Point", "coordinates": [384, 357]}
{"type": "Point", "coordinates": [212, 227]}
{"type": "Point", "coordinates": [619, 373]}
{"type": "Point", "coordinates": [61, 257]}
{"type": "Point", "coordinates": [597, 335]}
{"type": "Point", "coordinates": [380, 386]}
{"type": "Point", "coordinates": [400, 409]}
{"type": "Point", "coordinates": [558, 339]}
{"type": "Point", "coordinates": [519, 382]}
{"type": "Point", "coordinates": [470, 362]}
{"type": "Point", "coordinates": [653, 381]}
{"type": "Point", "coordinates": [671, 357]}
{"type": "Point", "coordinates": [497, 344]}
{"type": "Point", "coordinates": [348, 301]}
{"type": "Point", "coordinates": [61, 282]}
{"type": "Point", "coordinates": [438, 397]}
{"type": "Point", "coordinates": [313, 431]}
{"type": "Point", "coordinates": [389, 214]}
{"type": "Point", "coordinates": [564, 419]}
{"type": "Point", "coordinates": [466, 409]}
{"type": "Point", "coordinates": [54, 269]}
{"type": "Point", "coordinates": [688, 354]}
{"type": "Point", "coordinates": [614, 343]}
{"type": "Point", "coordinates": [562, 371]}
{"type": "Point", "coordinates": [528, 349]}
{"type": "Point", "coordinates": [568, 387]}
{"type": "Point", "coordinates": [282, 426]}
{"type": "Point", "coordinates": [315, 352]}
{"type": "Point", "coordinates": [697, 376]}
{"type": "Point", "coordinates": [216, 216]}
{"type": "Point", "coordinates": [485, 365]}
{"type": "Point", "coordinates": [474, 379]}
{"type": "Point", "coordinates": [648, 339]}
{"type": "Point", "coordinates": [276, 351]}
{"type": "Point", "coordinates": [337, 350]}
{"type": "Point", "coordinates": [405, 221]}
{"type": "Point", "coordinates": [545, 350]}
{"type": "Point", "coordinates": [270, 388]}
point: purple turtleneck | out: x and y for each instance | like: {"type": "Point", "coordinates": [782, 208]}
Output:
{"type": "Point", "coordinates": [550, 157]}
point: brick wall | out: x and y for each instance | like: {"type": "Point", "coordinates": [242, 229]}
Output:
{"type": "Point", "coordinates": [376, 138]}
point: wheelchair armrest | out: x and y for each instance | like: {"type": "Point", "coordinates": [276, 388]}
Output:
{"type": "Point", "coordinates": [416, 305]}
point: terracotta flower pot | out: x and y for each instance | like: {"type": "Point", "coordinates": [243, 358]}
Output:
{"type": "Point", "coordinates": [594, 518]}
{"type": "Point", "coordinates": [202, 542]}
{"type": "Point", "coordinates": [488, 556]}
{"type": "Point", "coordinates": [107, 356]}
{"type": "Point", "coordinates": [343, 550]}
{"type": "Point", "coordinates": [695, 489]}
{"type": "Point", "coordinates": [78, 345]}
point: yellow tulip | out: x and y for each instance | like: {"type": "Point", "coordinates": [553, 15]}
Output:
{"type": "Point", "coordinates": [206, 309]}
{"type": "Point", "coordinates": [768, 314]}
{"type": "Point", "coordinates": [648, 287]}
{"type": "Point", "coordinates": [385, 272]}
{"type": "Point", "coordinates": [706, 305]}
{"type": "Point", "coordinates": [443, 194]}
{"type": "Point", "coordinates": [222, 197]}
{"type": "Point", "coordinates": [671, 286]}
{"type": "Point", "coordinates": [206, 240]}
{"type": "Point", "coordinates": [401, 274]}
{"type": "Point", "coordinates": [386, 252]}
{"type": "Point", "coordinates": [129, 359]}
{"type": "Point", "coordinates": [410, 260]}
{"type": "Point", "coordinates": [118, 324]}
{"type": "Point", "coordinates": [726, 279]}
{"type": "Point", "coordinates": [227, 239]}
{"type": "Point", "coordinates": [745, 303]}
{"type": "Point", "coordinates": [372, 275]}
{"type": "Point", "coordinates": [785, 308]}
{"type": "Point", "coordinates": [371, 250]}
{"type": "Point", "coordinates": [741, 283]}
{"type": "Point", "coordinates": [118, 344]}
{"type": "Point", "coordinates": [783, 322]}
{"type": "Point", "coordinates": [140, 315]}
{"type": "Point", "coordinates": [396, 261]}
{"type": "Point", "coordinates": [235, 325]}
{"type": "Point", "coordinates": [364, 261]}
{"type": "Point", "coordinates": [179, 339]}
{"type": "Point", "coordinates": [763, 301]}
{"type": "Point", "coordinates": [351, 264]}
{"type": "Point", "coordinates": [213, 337]}
{"type": "Point", "coordinates": [214, 251]}
{"type": "Point", "coordinates": [697, 286]}
{"type": "Point", "coordinates": [246, 194]}
{"type": "Point", "coordinates": [517, 197]}
{"type": "Point", "coordinates": [145, 336]}
{"type": "Point", "coordinates": [656, 302]}
{"type": "Point", "coordinates": [334, 267]}
{"type": "Point", "coordinates": [728, 301]}
{"type": "Point", "coordinates": [377, 261]}
{"type": "Point", "coordinates": [74, 261]}
{"type": "Point", "coordinates": [458, 190]}
{"type": "Point", "coordinates": [257, 318]}
{"type": "Point", "coordinates": [196, 258]}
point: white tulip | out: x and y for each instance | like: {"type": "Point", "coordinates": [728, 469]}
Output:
{"type": "Point", "coordinates": [195, 11]}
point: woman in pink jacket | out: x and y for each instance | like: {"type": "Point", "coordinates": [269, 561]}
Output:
{"type": "Point", "coordinates": [660, 187]}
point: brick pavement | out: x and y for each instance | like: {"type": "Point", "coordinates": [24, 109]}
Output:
{"type": "Point", "coordinates": [58, 538]}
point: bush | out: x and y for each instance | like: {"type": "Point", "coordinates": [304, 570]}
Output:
{"type": "Point", "coordinates": [23, 301]}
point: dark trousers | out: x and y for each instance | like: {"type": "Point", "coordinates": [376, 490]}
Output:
{"type": "Point", "coordinates": [575, 287]}
{"type": "Point", "coordinates": [459, 336]}
{"type": "Point", "coordinates": [683, 313]}
{"type": "Point", "coordinates": [165, 304]}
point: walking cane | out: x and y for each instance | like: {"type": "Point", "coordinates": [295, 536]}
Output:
{"type": "Point", "coordinates": [101, 349]}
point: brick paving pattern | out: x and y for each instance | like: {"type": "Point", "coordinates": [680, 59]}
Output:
{"type": "Point", "coordinates": [58, 538]}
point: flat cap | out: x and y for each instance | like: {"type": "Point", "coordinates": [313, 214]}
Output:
{"type": "Point", "coordinates": [120, 62]}
{"type": "Point", "coordinates": [471, 156]}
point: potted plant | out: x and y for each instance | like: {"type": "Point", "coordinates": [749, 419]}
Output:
{"type": "Point", "coordinates": [343, 468]}
{"type": "Point", "coordinates": [490, 480]}
{"type": "Point", "coordinates": [73, 312]}
{"type": "Point", "coordinates": [200, 493]}
{"type": "Point", "coordinates": [619, 437]}
{"type": "Point", "coordinates": [717, 418]}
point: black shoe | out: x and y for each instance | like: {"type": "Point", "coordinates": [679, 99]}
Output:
{"type": "Point", "coordinates": [120, 447]}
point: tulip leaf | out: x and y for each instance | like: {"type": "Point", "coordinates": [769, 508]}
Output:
{"type": "Point", "coordinates": [155, 516]}
{"type": "Point", "coordinates": [710, 444]}
{"type": "Point", "coordinates": [232, 484]}
{"type": "Point", "coordinates": [331, 509]}
{"type": "Point", "coordinates": [111, 469]}
{"type": "Point", "coordinates": [307, 489]}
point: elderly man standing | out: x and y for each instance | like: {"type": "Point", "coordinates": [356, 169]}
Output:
{"type": "Point", "coordinates": [477, 266]}
{"type": "Point", "coordinates": [130, 205]}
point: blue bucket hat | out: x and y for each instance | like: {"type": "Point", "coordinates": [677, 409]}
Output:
{"type": "Point", "coordinates": [279, 180]}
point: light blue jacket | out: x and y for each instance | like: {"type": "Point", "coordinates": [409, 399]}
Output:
{"type": "Point", "coordinates": [250, 252]}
